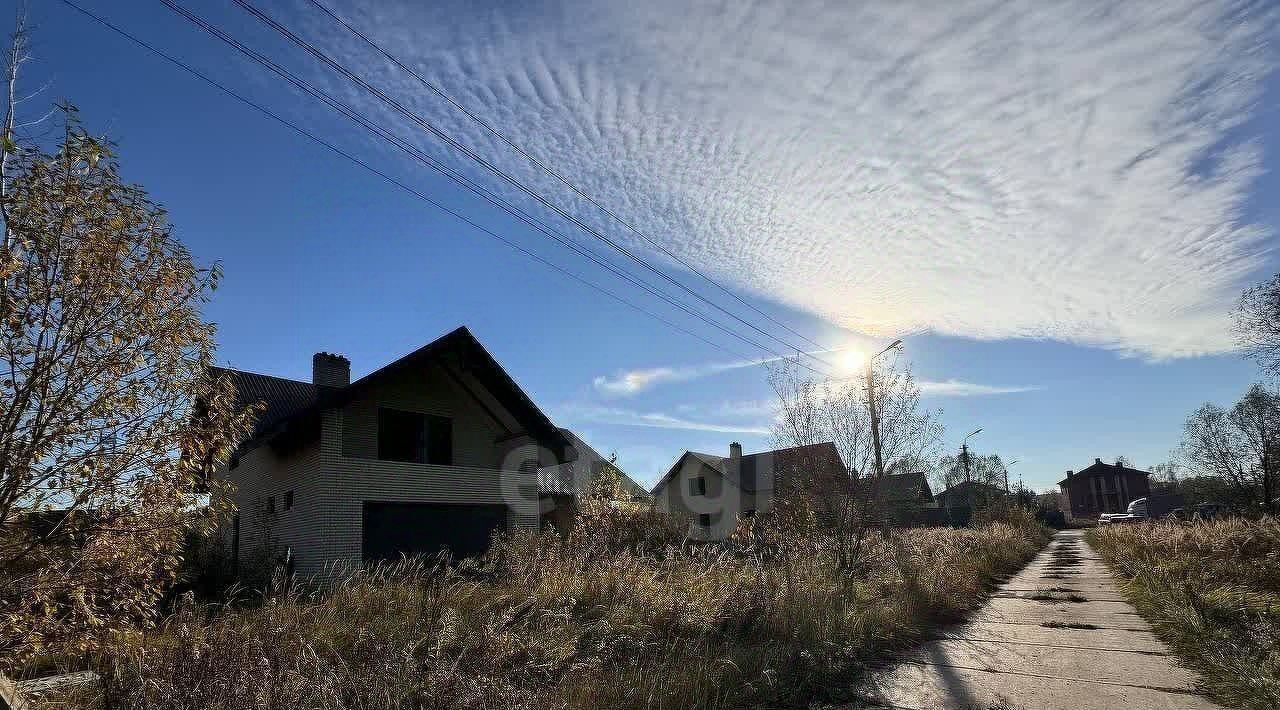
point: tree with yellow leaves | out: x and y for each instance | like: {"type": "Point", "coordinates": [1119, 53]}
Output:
{"type": "Point", "coordinates": [109, 420]}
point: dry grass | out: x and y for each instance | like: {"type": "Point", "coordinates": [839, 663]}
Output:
{"type": "Point", "coordinates": [1212, 590]}
{"type": "Point", "coordinates": [604, 619]}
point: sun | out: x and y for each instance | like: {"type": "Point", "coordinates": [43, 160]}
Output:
{"type": "Point", "coordinates": [852, 360]}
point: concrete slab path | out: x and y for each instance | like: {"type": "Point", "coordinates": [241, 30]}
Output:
{"type": "Point", "coordinates": [1056, 635]}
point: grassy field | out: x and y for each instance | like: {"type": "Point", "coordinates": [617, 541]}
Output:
{"type": "Point", "coordinates": [1212, 591]}
{"type": "Point", "coordinates": [615, 616]}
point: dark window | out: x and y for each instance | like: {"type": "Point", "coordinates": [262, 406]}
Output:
{"type": "Point", "coordinates": [288, 500]}
{"type": "Point", "coordinates": [414, 437]}
{"type": "Point", "coordinates": [704, 520]}
{"type": "Point", "coordinates": [271, 505]}
{"type": "Point", "coordinates": [698, 486]}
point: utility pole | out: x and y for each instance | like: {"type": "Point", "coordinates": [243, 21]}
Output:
{"type": "Point", "coordinates": [872, 492]}
{"type": "Point", "coordinates": [875, 420]}
{"type": "Point", "coordinates": [964, 453]}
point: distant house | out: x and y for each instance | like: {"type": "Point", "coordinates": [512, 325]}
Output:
{"type": "Point", "coordinates": [560, 486]}
{"type": "Point", "coordinates": [1103, 488]}
{"type": "Point", "coordinates": [714, 491]}
{"type": "Point", "coordinates": [435, 450]}
{"type": "Point", "coordinates": [960, 500]}
{"type": "Point", "coordinates": [904, 498]}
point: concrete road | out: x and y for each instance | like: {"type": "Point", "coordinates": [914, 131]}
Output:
{"type": "Point", "coordinates": [1056, 635]}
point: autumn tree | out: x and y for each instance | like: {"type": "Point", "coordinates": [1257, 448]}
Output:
{"type": "Point", "coordinates": [1240, 446]}
{"type": "Point", "coordinates": [109, 421]}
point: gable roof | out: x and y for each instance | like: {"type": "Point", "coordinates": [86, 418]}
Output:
{"type": "Point", "coordinates": [967, 489]}
{"type": "Point", "coordinates": [1098, 468]}
{"type": "Point", "coordinates": [573, 477]}
{"type": "Point", "coordinates": [290, 403]}
{"type": "Point", "coordinates": [899, 487]}
{"type": "Point", "coordinates": [753, 471]}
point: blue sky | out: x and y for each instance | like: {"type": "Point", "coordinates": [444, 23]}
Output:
{"type": "Point", "coordinates": [1064, 201]}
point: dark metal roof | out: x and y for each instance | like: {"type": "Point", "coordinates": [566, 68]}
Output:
{"type": "Point", "coordinates": [899, 487]}
{"type": "Point", "coordinates": [965, 491]}
{"type": "Point", "coordinates": [290, 400]}
{"type": "Point", "coordinates": [754, 469]}
{"type": "Point", "coordinates": [1099, 468]}
{"type": "Point", "coordinates": [281, 397]}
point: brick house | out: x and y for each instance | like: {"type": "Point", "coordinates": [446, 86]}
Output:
{"type": "Point", "coordinates": [713, 491]}
{"type": "Point", "coordinates": [560, 486]}
{"type": "Point", "coordinates": [1103, 488]}
{"type": "Point", "coordinates": [435, 450]}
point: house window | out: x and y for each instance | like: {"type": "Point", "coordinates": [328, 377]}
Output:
{"type": "Point", "coordinates": [288, 500]}
{"type": "Point", "coordinates": [704, 521]}
{"type": "Point", "coordinates": [414, 437]}
{"type": "Point", "coordinates": [698, 486]}
{"type": "Point", "coordinates": [271, 505]}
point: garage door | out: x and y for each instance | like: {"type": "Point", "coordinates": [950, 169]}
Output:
{"type": "Point", "coordinates": [392, 529]}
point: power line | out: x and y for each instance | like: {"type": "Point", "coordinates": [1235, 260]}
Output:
{"type": "Point", "coordinates": [385, 176]}
{"type": "Point", "coordinates": [417, 154]}
{"type": "Point", "coordinates": [548, 170]}
{"type": "Point", "coordinates": [477, 158]}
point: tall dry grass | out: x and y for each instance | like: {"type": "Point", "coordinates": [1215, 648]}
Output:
{"type": "Point", "coordinates": [619, 615]}
{"type": "Point", "coordinates": [1212, 591]}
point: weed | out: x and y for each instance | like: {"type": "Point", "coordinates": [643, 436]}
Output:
{"type": "Point", "coordinates": [1212, 592]}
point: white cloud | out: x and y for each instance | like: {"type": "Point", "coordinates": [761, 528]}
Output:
{"type": "Point", "coordinates": [635, 381]}
{"type": "Point", "coordinates": [957, 388]}
{"type": "Point", "coordinates": [987, 169]}
{"type": "Point", "coordinates": [656, 420]}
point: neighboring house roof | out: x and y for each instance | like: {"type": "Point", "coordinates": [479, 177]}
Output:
{"type": "Point", "coordinates": [899, 487]}
{"type": "Point", "coordinates": [752, 473]}
{"type": "Point", "coordinates": [573, 477]}
{"type": "Point", "coordinates": [1098, 468]}
{"type": "Point", "coordinates": [967, 490]}
{"type": "Point", "coordinates": [293, 405]}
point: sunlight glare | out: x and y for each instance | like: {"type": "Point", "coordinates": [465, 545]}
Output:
{"type": "Point", "coordinates": [852, 360]}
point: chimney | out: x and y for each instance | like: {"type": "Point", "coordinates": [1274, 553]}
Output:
{"type": "Point", "coordinates": [1070, 473]}
{"type": "Point", "coordinates": [735, 450]}
{"type": "Point", "coordinates": [329, 370]}
{"type": "Point", "coordinates": [1097, 460]}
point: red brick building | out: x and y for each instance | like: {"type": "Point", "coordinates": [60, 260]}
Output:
{"type": "Point", "coordinates": [1103, 488]}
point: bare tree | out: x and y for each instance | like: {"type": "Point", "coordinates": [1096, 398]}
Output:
{"type": "Point", "coordinates": [1240, 446]}
{"type": "Point", "coordinates": [1257, 323]}
{"type": "Point", "coordinates": [109, 420]}
{"type": "Point", "coordinates": [987, 469]}
{"type": "Point", "coordinates": [811, 411]}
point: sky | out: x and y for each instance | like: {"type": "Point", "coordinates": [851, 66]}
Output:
{"type": "Point", "coordinates": [1055, 205]}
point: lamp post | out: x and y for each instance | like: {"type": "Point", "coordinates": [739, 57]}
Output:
{"type": "Point", "coordinates": [1006, 477]}
{"type": "Point", "coordinates": [964, 452]}
{"type": "Point", "coordinates": [871, 405]}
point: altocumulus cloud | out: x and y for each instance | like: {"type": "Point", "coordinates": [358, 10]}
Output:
{"type": "Point", "coordinates": [991, 169]}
